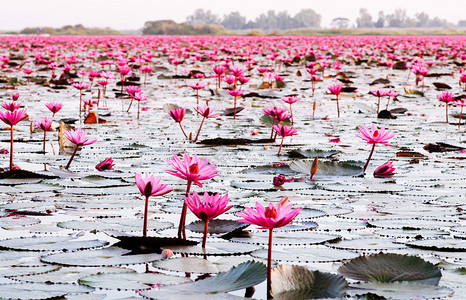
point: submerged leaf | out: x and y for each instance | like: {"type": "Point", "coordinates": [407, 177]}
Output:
{"type": "Point", "coordinates": [298, 282]}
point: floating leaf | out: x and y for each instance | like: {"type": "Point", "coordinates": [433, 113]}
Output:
{"type": "Point", "coordinates": [215, 248]}
{"type": "Point", "coordinates": [328, 168]}
{"type": "Point", "coordinates": [111, 256]}
{"type": "Point", "coordinates": [200, 265]}
{"type": "Point", "coordinates": [288, 238]}
{"type": "Point", "coordinates": [130, 280]}
{"type": "Point", "coordinates": [413, 92]}
{"type": "Point", "coordinates": [298, 282]}
{"type": "Point", "coordinates": [217, 226]}
{"type": "Point", "coordinates": [311, 153]}
{"type": "Point", "coordinates": [374, 244]}
{"type": "Point", "coordinates": [50, 243]}
{"type": "Point", "coordinates": [149, 244]}
{"type": "Point", "coordinates": [40, 290]}
{"type": "Point", "coordinates": [399, 290]}
{"type": "Point", "coordinates": [389, 267]}
{"type": "Point", "coordinates": [314, 254]}
{"type": "Point", "coordinates": [240, 277]}
{"type": "Point", "coordinates": [440, 244]}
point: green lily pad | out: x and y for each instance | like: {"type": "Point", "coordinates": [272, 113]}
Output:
{"type": "Point", "coordinates": [118, 224]}
{"type": "Point", "coordinates": [312, 153]}
{"type": "Point", "coordinates": [130, 280]}
{"type": "Point", "coordinates": [40, 290]}
{"type": "Point", "coordinates": [215, 248]}
{"type": "Point", "coordinates": [288, 238]}
{"type": "Point", "coordinates": [17, 221]}
{"type": "Point", "coordinates": [440, 244]}
{"type": "Point", "coordinates": [328, 168]}
{"type": "Point", "coordinates": [111, 256]}
{"type": "Point", "coordinates": [373, 244]}
{"type": "Point", "coordinates": [50, 243]}
{"type": "Point", "coordinates": [240, 277]}
{"type": "Point", "coordinates": [217, 226]}
{"type": "Point", "coordinates": [298, 282]}
{"type": "Point", "coordinates": [389, 267]}
{"type": "Point", "coordinates": [400, 290]}
{"type": "Point", "coordinates": [314, 254]}
{"type": "Point", "coordinates": [200, 265]}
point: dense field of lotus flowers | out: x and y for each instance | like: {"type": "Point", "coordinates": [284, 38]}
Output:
{"type": "Point", "coordinates": [231, 167]}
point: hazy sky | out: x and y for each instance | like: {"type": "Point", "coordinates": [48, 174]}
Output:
{"type": "Point", "coordinates": [131, 14]}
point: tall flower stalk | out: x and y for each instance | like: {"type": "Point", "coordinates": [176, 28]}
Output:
{"type": "Point", "coordinates": [270, 218]}
{"type": "Point", "coordinates": [77, 137]}
{"type": "Point", "coordinates": [374, 137]}
{"type": "Point", "coordinates": [12, 118]}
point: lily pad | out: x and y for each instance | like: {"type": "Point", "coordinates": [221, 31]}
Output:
{"type": "Point", "coordinates": [118, 224]}
{"type": "Point", "coordinates": [400, 290]}
{"type": "Point", "coordinates": [288, 238]}
{"type": "Point", "coordinates": [328, 168]}
{"type": "Point", "coordinates": [440, 244]}
{"type": "Point", "coordinates": [111, 256]}
{"type": "Point", "coordinates": [200, 265]}
{"type": "Point", "coordinates": [315, 254]}
{"type": "Point", "coordinates": [298, 282]}
{"type": "Point", "coordinates": [50, 243]}
{"type": "Point", "coordinates": [217, 226]}
{"type": "Point", "coordinates": [410, 224]}
{"type": "Point", "coordinates": [130, 280]}
{"type": "Point", "coordinates": [240, 277]}
{"type": "Point", "coordinates": [388, 267]}
{"type": "Point", "coordinates": [40, 290]}
{"type": "Point", "coordinates": [17, 221]}
{"type": "Point", "coordinates": [215, 248]}
{"type": "Point", "coordinates": [373, 244]}
{"type": "Point", "coordinates": [312, 153]}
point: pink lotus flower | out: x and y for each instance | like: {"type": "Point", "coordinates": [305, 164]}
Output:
{"type": "Point", "coordinates": [15, 96]}
{"type": "Point", "coordinates": [461, 103]}
{"type": "Point", "coordinates": [81, 85]}
{"type": "Point", "coordinates": [132, 89]}
{"type": "Point", "coordinates": [379, 93]}
{"type": "Point", "coordinates": [374, 137]}
{"type": "Point", "coordinates": [150, 186]}
{"type": "Point", "coordinates": [205, 112]}
{"type": "Point", "coordinates": [178, 115]}
{"type": "Point", "coordinates": [290, 100]}
{"type": "Point", "coordinates": [207, 209]}
{"type": "Point", "coordinates": [193, 169]}
{"type": "Point", "coordinates": [139, 96]}
{"type": "Point", "coordinates": [106, 164]}
{"type": "Point", "coordinates": [45, 125]}
{"type": "Point", "coordinates": [3, 151]}
{"type": "Point", "coordinates": [336, 90]}
{"type": "Point", "coordinates": [12, 118]}
{"type": "Point", "coordinates": [447, 98]}
{"type": "Point", "coordinates": [11, 106]}
{"type": "Point", "coordinates": [54, 107]}
{"type": "Point", "coordinates": [77, 137]}
{"type": "Point", "coordinates": [280, 180]}
{"type": "Point", "coordinates": [235, 93]}
{"type": "Point", "coordinates": [283, 131]}
{"type": "Point", "coordinates": [269, 218]}
{"type": "Point", "coordinates": [167, 253]}
{"type": "Point", "coordinates": [385, 170]}
{"type": "Point", "coordinates": [197, 86]}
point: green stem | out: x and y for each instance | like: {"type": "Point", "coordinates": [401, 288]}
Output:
{"type": "Point", "coordinates": [72, 156]}
{"type": "Point", "coordinates": [269, 266]}
{"type": "Point", "coordinates": [181, 229]}
{"type": "Point", "coordinates": [206, 229]}
{"type": "Point", "coordinates": [146, 212]}
{"type": "Point", "coordinates": [369, 158]}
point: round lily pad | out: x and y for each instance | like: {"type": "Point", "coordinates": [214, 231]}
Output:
{"type": "Point", "coordinates": [11, 258]}
{"type": "Point", "coordinates": [130, 280]}
{"type": "Point", "coordinates": [411, 233]}
{"type": "Point", "coordinates": [217, 226]}
{"type": "Point", "coordinates": [67, 274]}
{"type": "Point", "coordinates": [372, 244]}
{"type": "Point", "coordinates": [17, 221]}
{"type": "Point", "coordinates": [400, 290]}
{"type": "Point", "coordinates": [200, 265]}
{"type": "Point", "coordinates": [50, 243]}
{"type": "Point", "coordinates": [111, 256]}
{"type": "Point", "coordinates": [216, 248]}
{"type": "Point", "coordinates": [27, 270]}
{"type": "Point", "coordinates": [118, 224]}
{"type": "Point", "coordinates": [440, 244]}
{"type": "Point", "coordinates": [314, 254]}
{"type": "Point", "coordinates": [288, 238]}
{"type": "Point", "coordinates": [40, 290]}
{"type": "Point", "coordinates": [410, 224]}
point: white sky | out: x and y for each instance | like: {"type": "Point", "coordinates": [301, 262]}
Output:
{"type": "Point", "coordinates": [131, 14]}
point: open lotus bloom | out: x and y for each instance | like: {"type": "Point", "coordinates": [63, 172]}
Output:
{"type": "Point", "coordinates": [385, 170]}
{"type": "Point", "coordinates": [106, 164]}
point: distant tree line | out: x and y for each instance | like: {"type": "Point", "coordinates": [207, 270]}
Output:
{"type": "Point", "coordinates": [305, 18]}
{"type": "Point", "coordinates": [78, 29]}
{"type": "Point", "coordinates": [400, 19]}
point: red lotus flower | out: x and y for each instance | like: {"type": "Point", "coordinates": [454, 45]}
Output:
{"type": "Point", "coordinates": [447, 98]}
{"type": "Point", "coordinates": [54, 107]}
{"type": "Point", "coordinates": [178, 115]}
{"type": "Point", "coordinates": [385, 170]}
{"type": "Point", "coordinates": [336, 90]}
{"type": "Point", "coordinates": [207, 209]}
{"type": "Point", "coordinates": [283, 131]}
{"type": "Point", "coordinates": [77, 137]}
{"type": "Point", "coordinates": [270, 218]}
{"type": "Point", "coordinates": [374, 137]}
{"type": "Point", "coordinates": [12, 118]}
{"type": "Point", "coordinates": [106, 164]}
{"type": "Point", "coordinates": [11, 106]}
{"type": "Point", "coordinates": [150, 186]}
